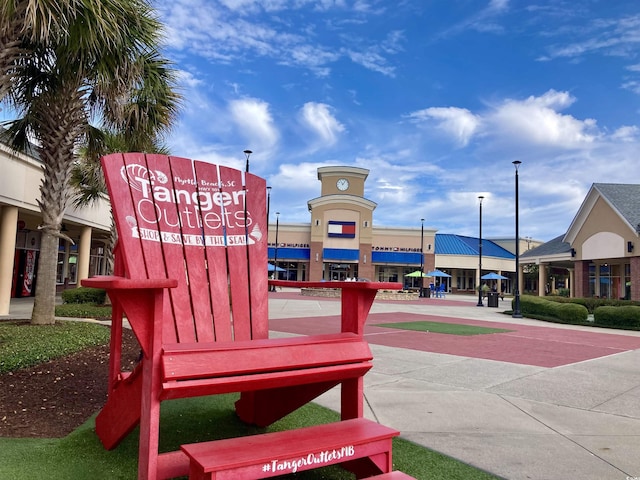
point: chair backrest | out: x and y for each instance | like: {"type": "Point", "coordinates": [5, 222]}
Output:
{"type": "Point", "coordinates": [202, 224]}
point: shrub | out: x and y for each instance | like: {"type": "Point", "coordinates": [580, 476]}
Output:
{"type": "Point", "coordinates": [626, 316]}
{"type": "Point", "coordinates": [592, 303]}
{"type": "Point", "coordinates": [537, 307]}
{"type": "Point", "coordinates": [84, 295]}
{"type": "Point", "coordinates": [83, 310]}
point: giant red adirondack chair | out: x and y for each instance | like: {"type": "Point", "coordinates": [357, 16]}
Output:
{"type": "Point", "coordinates": [191, 279]}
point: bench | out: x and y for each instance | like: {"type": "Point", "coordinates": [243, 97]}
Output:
{"type": "Point", "coordinates": [395, 475]}
{"type": "Point", "coordinates": [278, 453]}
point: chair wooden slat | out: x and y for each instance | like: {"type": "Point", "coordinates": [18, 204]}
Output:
{"type": "Point", "coordinates": [234, 194]}
{"type": "Point", "coordinates": [215, 257]}
{"type": "Point", "coordinates": [258, 255]}
{"type": "Point", "coordinates": [195, 296]}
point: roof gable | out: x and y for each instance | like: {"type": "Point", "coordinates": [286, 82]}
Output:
{"type": "Point", "coordinates": [623, 199]}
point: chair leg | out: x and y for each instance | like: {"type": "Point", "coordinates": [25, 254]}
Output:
{"type": "Point", "coordinates": [149, 425]}
{"type": "Point", "coordinates": [352, 398]}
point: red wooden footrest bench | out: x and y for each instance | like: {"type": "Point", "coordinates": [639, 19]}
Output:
{"type": "Point", "coordinates": [395, 475]}
{"type": "Point", "coordinates": [278, 453]}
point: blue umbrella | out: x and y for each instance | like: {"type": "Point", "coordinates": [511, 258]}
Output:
{"type": "Point", "coordinates": [437, 273]}
{"type": "Point", "coordinates": [493, 276]}
{"type": "Point", "coordinates": [272, 267]}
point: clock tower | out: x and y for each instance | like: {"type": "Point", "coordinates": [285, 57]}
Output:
{"type": "Point", "coordinates": [341, 226]}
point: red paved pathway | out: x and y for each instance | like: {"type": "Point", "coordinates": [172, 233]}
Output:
{"type": "Point", "coordinates": [523, 344]}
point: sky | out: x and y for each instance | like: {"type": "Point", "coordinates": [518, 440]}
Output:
{"type": "Point", "coordinates": [436, 98]}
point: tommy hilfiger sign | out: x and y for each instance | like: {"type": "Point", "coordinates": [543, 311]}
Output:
{"type": "Point", "coordinates": [341, 229]}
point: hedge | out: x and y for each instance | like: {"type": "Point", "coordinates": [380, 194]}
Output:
{"type": "Point", "coordinates": [592, 303]}
{"type": "Point", "coordinates": [627, 316]}
{"type": "Point", "coordinates": [535, 307]}
{"type": "Point", "coordinates": [96, 296]}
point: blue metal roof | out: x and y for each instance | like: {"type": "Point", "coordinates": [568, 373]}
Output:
{"type": "Point", "coordinates": [449, 244]}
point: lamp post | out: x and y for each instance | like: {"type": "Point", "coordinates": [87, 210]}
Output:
{"type": "Point", "coordinates": [422, 258]}
{"type": "Point", "coordinates": [516, 292]}
{"type": "Point", "coordinates": [271, 288]}
{"type": "Point", "coordinates": [480, 304]}
{"type": "Point", "coordinates": [275, 257]}
{"type": "Point", "coordinates": [247, 153]}
{"type": "Point", "coordinates": [268, 205]}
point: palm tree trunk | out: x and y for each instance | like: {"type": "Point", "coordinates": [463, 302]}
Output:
{"type": "Point", "coordinates": [59, 132]}
{"type": "Point", "coordinates": [44, 302]}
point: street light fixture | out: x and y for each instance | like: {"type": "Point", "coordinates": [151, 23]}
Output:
{"type": "Point", "coordinates": [480, 304]}
{"type": "Point", "coordinates": [268, 205]}
{"type": "Point", "coordinates": [422, 258]}
{"type": "Point", "coordinates": [247, 153]}
{"type": "Point", "coordinates": [275, 257]}
{"type": "Point", "coordinates": [516, 293]}
{"type": "Point", "coordinates": [273, 275]}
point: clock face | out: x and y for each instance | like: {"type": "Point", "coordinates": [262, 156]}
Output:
{"type": "Point", "coordinates": [342, 184]}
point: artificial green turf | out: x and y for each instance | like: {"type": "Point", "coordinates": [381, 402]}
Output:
{"type": "Point", "coordinates": [439, 327]}
{"type": "Point", "coordinates": [80, 454]}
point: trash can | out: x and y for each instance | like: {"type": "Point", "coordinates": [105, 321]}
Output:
{"type": "Point", "coordinates": [492, 299]}
{"type": "Point", "coordinates": [425, 292]}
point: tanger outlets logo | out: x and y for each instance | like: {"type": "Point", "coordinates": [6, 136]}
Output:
{"type": "Point", "coordinates": [137, 176]}
{"type": "Point", "coordinates": [166, 208]}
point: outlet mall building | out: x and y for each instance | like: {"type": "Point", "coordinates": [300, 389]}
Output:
{"type": "Point", "coordinates": [596, 257]}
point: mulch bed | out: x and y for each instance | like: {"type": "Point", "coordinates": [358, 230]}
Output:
{"type": "Point", "coordinates": [54, 398]}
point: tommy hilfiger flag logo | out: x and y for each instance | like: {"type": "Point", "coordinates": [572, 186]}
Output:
{"type": "Point", "coordinates": [341, 229]}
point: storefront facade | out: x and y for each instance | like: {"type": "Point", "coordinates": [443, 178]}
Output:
{"type": "Point", "coordinates": [341, 242]}
{"type": "Point", "coordinates": [598, 256]}
{"type": "Point", "coordinates": [88, 228]}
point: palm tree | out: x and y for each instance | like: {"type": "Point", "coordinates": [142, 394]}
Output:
{"type": "Point", "coordinates": [63, 63]}
{"type": "Point", "coordinates": [87, 179]}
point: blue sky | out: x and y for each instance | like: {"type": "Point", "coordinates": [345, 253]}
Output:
{"type": "Point", "coordinates": [435, 98]}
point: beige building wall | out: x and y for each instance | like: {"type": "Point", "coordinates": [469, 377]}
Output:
{"type": "Point", "coordinates": [19, 190]}
{"type": "Point", "coordinates": [603, 235]}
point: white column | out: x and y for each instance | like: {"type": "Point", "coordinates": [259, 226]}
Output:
{"type": "Point", "coordinates": [572, 291]}
{"type": "Point", "coordinates": [84, 253]}
{"type": "Point", "coordinates": [542, 278]}
{"type": "Point", "coordinates": [8, 230]}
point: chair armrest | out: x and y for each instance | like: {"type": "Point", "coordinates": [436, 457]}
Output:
{"type": "Point", "coordinates": [141, 300]}
{"type": "Point", "coordinates": [110, 282]}
{"type": "Point", "coordinates": [357, 298]}
{"type": "Point", "coordinates": [337, 284]}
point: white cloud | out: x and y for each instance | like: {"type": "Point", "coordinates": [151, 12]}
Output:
{"type": "Point", "coordinates": [188, 79]}
{"type": "Point", "coordinates": [254, 121]}
{"type": "Point", "coordinates": [618, 37]}
{"type": "Point", "coordinates": [459, 123]}
{"type": "Point", "coordinates": [228, 31]}
{"type": "Point", "coordinates": [536, 120]}
{"type": "Point", "coordinates": [626, 134]}
{"type": "Point", "coordinates": [320, 119]}
{"type": "Point", "coordinates": [532, 121]}
{"type": "Point", "coordinates": [632, 85]}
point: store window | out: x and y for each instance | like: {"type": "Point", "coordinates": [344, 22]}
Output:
{"type": "Point", "coordinates": [67, 267]}
{"type": "Point", "coordinates": [97, 262]}
{"type": "Point", "coordinates": [387, 274]}
{"type": "Point", "coordinates": [342, 271]}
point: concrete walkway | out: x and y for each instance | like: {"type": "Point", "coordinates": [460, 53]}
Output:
{"type": "Point", "coordinates": [517, 419]}
{"type": "Point", "coordinates": [579, 420]}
